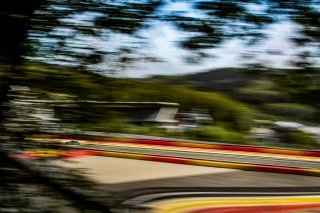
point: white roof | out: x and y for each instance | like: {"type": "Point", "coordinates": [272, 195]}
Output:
{"type": "Point", "coordinates": [290, 125]}
{"type": "Point", "coordinates": [314, 130]}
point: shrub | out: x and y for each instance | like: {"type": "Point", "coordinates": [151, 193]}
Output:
{"type": "Point", "coordinates": [291, 110]}
{"type": "Point", "coordinates": [300, 139]}
{"type": "Point", "coordinates": [215, 134]}
{"type": "Point", "coordinates": [256, 96]}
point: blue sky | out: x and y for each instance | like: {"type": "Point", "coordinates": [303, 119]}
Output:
{"type": "Point", "coordinates": [164, 40]}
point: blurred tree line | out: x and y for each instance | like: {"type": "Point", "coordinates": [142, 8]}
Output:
{"type": "Point", "coordinates": [45, 82]}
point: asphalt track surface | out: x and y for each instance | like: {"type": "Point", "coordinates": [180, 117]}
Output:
{"type": "Point", "coordinates": [222, 199]}
{"type": "Point", "coordinates": [146, 195]}
{"type": "Point", "coordinates": [279, 204]}
{"type": "Point", "coordinates": [207, 200]}
{"type": "Point", "coordinates": [303, 162]}
{"type": "Point", "coordinates": [248, 158]}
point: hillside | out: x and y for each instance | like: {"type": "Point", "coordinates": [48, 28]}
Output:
{"type": "Point", "coordinates": [65, 84]}
{"type": "Point", "coordinates": [224, 80]}
{"type": "Point", "coordinates": [275, 94]}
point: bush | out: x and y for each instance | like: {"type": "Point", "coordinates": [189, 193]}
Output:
{"type": "Point", "coordinates": [215, 134]}
{"type": "Point", "coordinates": [144, 130]}
{"type": "Point", "coordinates": [256, 96]}
{"type": "Point", "coordinates": [291, 110]}
{"type": "Point", "coordinates": [300, 139]}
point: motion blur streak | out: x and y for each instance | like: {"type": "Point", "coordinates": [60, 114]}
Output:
{"type": "Point", "coordinates": [201, 93]}
{"type": "Point", "coordinates": [243, 204]}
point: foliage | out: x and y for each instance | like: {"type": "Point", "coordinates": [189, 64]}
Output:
{"type": "Point", "coordinates": [219, 80]}
{"type": "Point", "coordinates": [89, 86]}
{"type": "Point", "coordinates": [61, 29]}
{"type": "Point", "coordinates": [301, 139]}
{"type": "Point", "coordinates": [206, 133]}
{"type": "Point", "coordinates": [259, 115]}
{"type": "Point", "coordinates": [107, 124]}
{"type": "Point", "coordinates": [221, 107]}
{"type": "Point", "coordinates": [256, 96]}
{"type": "Point", "coordinates": [217, 134]}
{"type": "Point", "coordinates": [291, 110]}
{"type": "Point", "coordinates": [303, 84]}
{"type": "Point", "coordinates": [62, 32]}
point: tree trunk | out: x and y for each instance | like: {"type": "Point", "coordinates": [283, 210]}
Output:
{"type": "Point", "coordinates": [15, 18]}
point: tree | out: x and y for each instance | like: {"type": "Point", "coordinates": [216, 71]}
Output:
{"type": "Point", "coordinates": [63, 32]}
{"type": "Point", "coordinates": [14, 21]}
{"type": "Point", "coordinates": [74, 33]}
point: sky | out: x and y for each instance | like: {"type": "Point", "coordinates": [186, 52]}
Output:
{"type": "Point", "coordinates": [164, 40]}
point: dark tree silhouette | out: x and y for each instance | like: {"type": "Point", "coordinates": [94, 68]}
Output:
{"type": "Point", "coordinates": [15, 19]}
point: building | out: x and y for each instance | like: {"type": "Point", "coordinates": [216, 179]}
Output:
{"type": "Point", "coordinates": [141, 113]}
